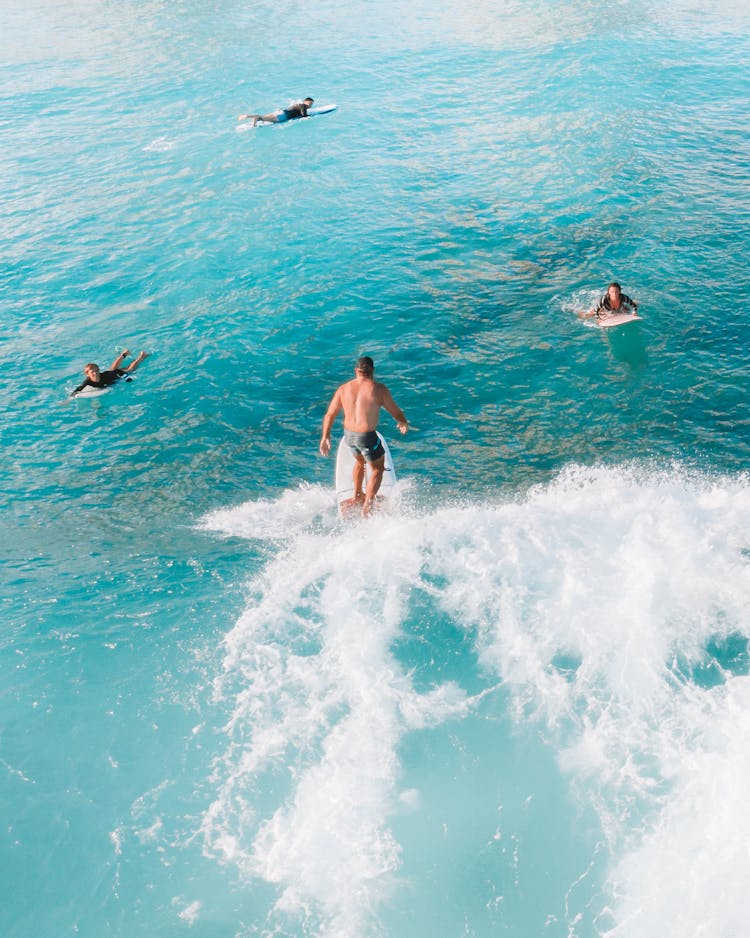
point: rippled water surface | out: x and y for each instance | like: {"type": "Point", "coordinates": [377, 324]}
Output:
{"type": "Point", "coordinates": [517, 704]}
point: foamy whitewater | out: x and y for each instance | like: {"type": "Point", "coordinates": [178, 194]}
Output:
{"type": "Point", "coordinates": [516, 703]}
{"type": "Point", "coordinates": [587, 609]}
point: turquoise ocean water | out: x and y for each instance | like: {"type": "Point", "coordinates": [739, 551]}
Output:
{"type": "Point", "coordinates": [518, 705]}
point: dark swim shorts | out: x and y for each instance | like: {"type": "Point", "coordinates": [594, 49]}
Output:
{"type": "Point", "coordinates": [368, 444]}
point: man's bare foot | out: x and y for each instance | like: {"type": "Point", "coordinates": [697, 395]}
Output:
{"type": "Point", "coordinates": [348, 507]}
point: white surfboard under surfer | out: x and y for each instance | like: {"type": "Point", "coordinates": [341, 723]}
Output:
{"type": "Point", "coordinates": [345, 493]}
{"type": "Point", "coordinates": [361, 400]}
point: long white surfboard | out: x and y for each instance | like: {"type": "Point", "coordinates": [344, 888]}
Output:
{"type": "Point", "coordinates": [345, 484]}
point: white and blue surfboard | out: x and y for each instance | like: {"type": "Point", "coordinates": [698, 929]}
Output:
{"type": "Point", "coordinates": [312, 112]}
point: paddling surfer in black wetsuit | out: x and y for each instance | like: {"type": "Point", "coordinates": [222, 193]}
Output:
{"type": "Point", "coordinates": [613, 301]}
{"type": "Point", "coordinates": [361, 400]}
{"type": "Point", "coordinates": [293, 112]}
{"type": "Point", "coordinates": [95, 378]}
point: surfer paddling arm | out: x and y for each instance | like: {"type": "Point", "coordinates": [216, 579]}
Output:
{"type": "Point", "coordinates": [361, 400]}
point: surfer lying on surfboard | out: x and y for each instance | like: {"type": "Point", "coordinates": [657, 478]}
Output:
{"type": "Point", "coordinates": [293, 112]}
{"type": "Point", "coordinates": [613, 301]}
{"type": "Point", "coordinates": [98, 379]}
{"type": "Point", "coordinates": [361, 400]}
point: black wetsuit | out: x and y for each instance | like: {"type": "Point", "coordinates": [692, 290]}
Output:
{"type": "Point", "coordinates": [105, 379]}
{"type": "Point", "coordinates": [295, 110]}
{"type": "Point", "coordinates": [606, 306]}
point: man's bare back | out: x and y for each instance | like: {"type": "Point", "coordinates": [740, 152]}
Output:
{"type": "Point", "coordinates": [361, 400]}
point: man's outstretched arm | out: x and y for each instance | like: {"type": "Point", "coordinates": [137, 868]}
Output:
{"type": "Point", "coordinates": [395, 411]}
{"type": "Point", "coordinates": [333, 409]}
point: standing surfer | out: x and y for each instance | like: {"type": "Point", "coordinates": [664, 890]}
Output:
{"type": "Point", "coordinates": [361, 400]}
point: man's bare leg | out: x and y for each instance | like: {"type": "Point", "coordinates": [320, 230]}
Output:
{"type": "Point", "coordinates": [373, 484]}
{"type": "Point", "coordinates": [256, 118]}
{"type": "Point", "coordinates": [358, 478]}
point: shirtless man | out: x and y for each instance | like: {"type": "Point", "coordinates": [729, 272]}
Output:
{"type": "Point", "coordinates": [291, 113]}
{"type": "Point", "coordinates": [361, 400]}
{"type": "Point", "coordinates": [613, 301]}
{"type": "Point", "coordinates": [96, 378]}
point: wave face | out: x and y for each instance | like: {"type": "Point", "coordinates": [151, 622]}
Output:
{"type": "Point", "coordinates": [605, 613]}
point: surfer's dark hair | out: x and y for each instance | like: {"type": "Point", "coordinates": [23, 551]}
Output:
{"type": "Point", "coordinates": [311, 100]}
{"type": "Point", "coordinates": [366, 365]}
{"type": "Point", "coordinates": [616, 285]}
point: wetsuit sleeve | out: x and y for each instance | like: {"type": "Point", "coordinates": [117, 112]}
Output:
{"type": "Point", "coordinates": [602, 304]}
{"type": "Point", "coordinates": [80, 387]}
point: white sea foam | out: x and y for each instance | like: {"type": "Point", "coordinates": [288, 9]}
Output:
{"type": "Point", "coordinates": [688, 874]}
{"type": "Point", "coordinates": [159, 145]}
{"type": "Point", "coordinates": [320, 705]}
{"type": "Point", "coordinates": [595, 600]}
{"type": "Point", "coordinates": [274, 519]}
{"type": "Point", "coordinates": [190, 913]}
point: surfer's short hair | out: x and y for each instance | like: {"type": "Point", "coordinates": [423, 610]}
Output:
{"type": "Point", "coordinates": [616, 285]}
{"type": "Point", "coordinates": [311, 100]}
{"type": "Point", "coordinates": [365, 364]}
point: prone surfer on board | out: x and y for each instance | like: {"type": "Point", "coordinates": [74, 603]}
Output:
{"type": "Point", "coordinates": [96, 378]}
{"type": "Point", "coordinates": [613, 301]}
{"type": "Point", "coordinates": [293, 112]}
{"type": "Point", "coordinates": [361, 400]}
